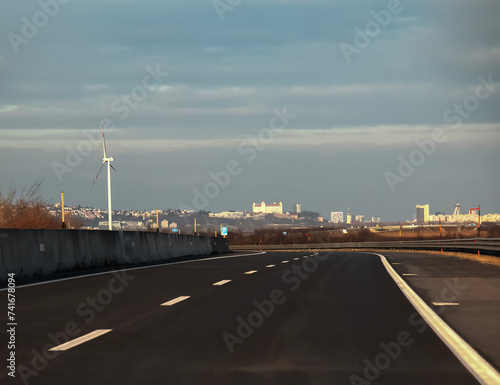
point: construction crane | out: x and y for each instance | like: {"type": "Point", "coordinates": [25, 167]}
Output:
{"type": "Point", "coordinates": [478, 210]}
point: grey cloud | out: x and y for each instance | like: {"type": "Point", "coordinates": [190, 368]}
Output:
{"type": "Point", "coordinates": [227, 76]}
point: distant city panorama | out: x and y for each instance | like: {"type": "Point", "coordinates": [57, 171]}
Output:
{"type": "Point", "coordinates": [263, 215]}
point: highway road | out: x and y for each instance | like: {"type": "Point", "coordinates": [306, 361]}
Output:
{"type": "Point", "coordinates": [271, 318]}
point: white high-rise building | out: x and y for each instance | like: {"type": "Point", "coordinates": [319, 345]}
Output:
{"type": "Point", "coordinates": [297, 208]}
{"type": "Point", "coordinates": [337, 216]}
{"type": "Point", "coordinates": [422, 214]}
{"type": "Point", "coordinates": [359, 218]}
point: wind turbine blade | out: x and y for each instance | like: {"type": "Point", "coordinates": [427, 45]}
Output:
{"type": "Point", "coordinates": [97, 176]}
{"type": "Point", "coordinates": [103, 140]}
{"type": "Point", "coordinates": [110, 165]}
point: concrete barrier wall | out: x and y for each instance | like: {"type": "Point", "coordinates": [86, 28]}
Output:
{"type": "Point", "coordinates": [30, 253]}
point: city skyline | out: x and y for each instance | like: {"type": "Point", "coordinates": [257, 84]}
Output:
{"type": "Point", "coordinates": [432, 216]}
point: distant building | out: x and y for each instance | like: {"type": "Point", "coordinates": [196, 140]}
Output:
{"type": "Point", "coordinates": [337, 216]}
{"type": "Point", "coordinates": [269, 208]}
{"type": "Point", "coordinates": [284, 216]}
{"type": "Point", "coordinates": [375, 220]}
{"type": "Point", "coordinates": [116, 225]}
{"type": "Point", "coordinates": [297, 208]}
{"type": "Point", "coordinates": [164, 224]}
{"type": "Point", "coordinates": [133, 225]}
{"type": "Point", "coordinates": [348, 217]}
{"type": "Point", "coordinates": [359, 218]}
{"type": "Point", "coordinates": [464, 218]}
{"type": "Point", "coordinates": [439, 217]}
{"type": "Point", "coordinates": [229, 214]}
{"type": "Point", "coordinates": [422, 214]}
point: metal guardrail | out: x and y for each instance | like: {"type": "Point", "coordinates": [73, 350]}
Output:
{"type": "Point", "coordinates": [490, 245]}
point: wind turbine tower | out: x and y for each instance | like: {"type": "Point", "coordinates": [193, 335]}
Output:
{"type": "Point", "coordinates": [107, 160]}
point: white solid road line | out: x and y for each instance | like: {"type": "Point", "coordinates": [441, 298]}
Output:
{"type": "Point", "coordinates": [477, 365]}
{"type": "Point", "coordinates": [134, 268]}
{"type": "Point", "coordinates": [270, 265]}
{"type": "Point", "coordinates": [223, 282]}
{"type": "Point", "coordinates": [175, 300]}
{"type": "Point", "coordinates": [445, 303]}
{"type": "Point", "coordinates": [251, 272]}
{"type": "Point", "coordinates": [80, 340]}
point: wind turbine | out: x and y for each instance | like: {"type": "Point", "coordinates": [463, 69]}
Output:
{"type": "Point", "coordinates": [105, 159]}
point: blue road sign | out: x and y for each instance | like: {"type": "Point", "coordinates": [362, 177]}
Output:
{"type": "Point", "coordinates": [223, 230]}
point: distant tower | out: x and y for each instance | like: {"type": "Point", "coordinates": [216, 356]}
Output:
{"type": "Point", "coordinates": [348, 217]}
{"type": "Point", "coordinates": [457, 209]}
{"type": "Point", "coordinates": [422, 214]}
{"type": "Point", "coordinates": [297, 208]}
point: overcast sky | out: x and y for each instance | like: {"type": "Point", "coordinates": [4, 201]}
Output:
{"type": "Point", "coordinates": [323, 103]}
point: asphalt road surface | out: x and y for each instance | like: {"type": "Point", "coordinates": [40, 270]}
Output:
{"type": "Point", "coordinates": [475, 298]}
{"type": "Point", "coordinates": [272, 318]}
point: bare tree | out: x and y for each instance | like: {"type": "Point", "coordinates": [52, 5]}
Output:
{"type": "Point", "coordinates": [25, 209]}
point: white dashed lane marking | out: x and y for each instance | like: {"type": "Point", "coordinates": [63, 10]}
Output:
{"type": "Point", "coordinates": [80, 340]}
{"type": "Point", "coordinates": [175, 300]}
